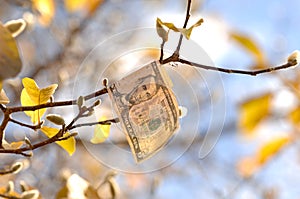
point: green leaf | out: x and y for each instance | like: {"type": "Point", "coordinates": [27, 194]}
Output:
{"type": "Point", "coordinates": [68, 145]}
{"type": "Point", "coordinates": [56, 119]}
{"type": "Point", "coordinates": [32, 95]}
{"type": "Point", "coordinates": [101, 132]}
{"type": "Point", "coordinates": [15, 27]}
{"type": "Point", "coordinates": [80, 101]}
{"type": "Point", "coordinates": [10, 61]}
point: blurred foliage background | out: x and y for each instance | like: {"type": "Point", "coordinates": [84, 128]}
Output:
{"type": "Point", "coordinates": [257, 154]}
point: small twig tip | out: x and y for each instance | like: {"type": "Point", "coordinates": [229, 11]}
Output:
{"type": "Point", "coordinates": [294, 58]}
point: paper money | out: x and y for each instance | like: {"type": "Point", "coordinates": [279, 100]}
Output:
{"type": "Point", "coordinates": [147, 109]}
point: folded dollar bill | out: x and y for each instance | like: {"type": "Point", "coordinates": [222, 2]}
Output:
{"type": "Point", "coordinates": [147, 109]}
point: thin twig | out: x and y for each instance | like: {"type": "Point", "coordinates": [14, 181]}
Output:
{"type": "Point", "coordinates": [106, 122]}
{"type": "Point", "coordinates": [5, 172]}
{"type": "Point", "coordinates": [33, 127]}
{"type": "Point", "coordinates": [2, 107]}
{"type": "Point", "coordinates": [66, 137]}
{"type": "Point", "coordinates": [2, 128]}
{"type": "Point", "coordinates": [245, 72]}
{"type": "Point", "coordinates": [55, 104]}
{"type": "Point", "coordinates": [187, 17]}
{"type": "Point", "coordinates": [162, 50]}
{"type": "Point", "coordinates": [55, 138]}
{"type": "Point", "coordinates": [32, 147]}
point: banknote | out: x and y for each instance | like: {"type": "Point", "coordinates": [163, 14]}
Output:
{"type": "Point", "coordinates": [147, 109]}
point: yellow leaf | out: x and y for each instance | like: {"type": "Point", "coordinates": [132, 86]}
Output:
{"type": "Point", "coordinates": [184, 31]}
{"type": "Point", "coordinates": [101, 132]}
{"type": "Point", "coordinates": [68, 145]}
{"type": "Point", "coordinates": [90, 6]}
{"type": "Point", "coordinates": [10, 61]}
{"type": "Point", "coordinates": [250, 46]}
{"type": "Point", "coordinates": [32, 95]}
{"type": "Point", "coordinates": [188, 32]}
{"type": "Point", "coordinates": [74, 5]}
{"type": "Point", "coordinates": [13, 145]}
{"type": "Point", "coordinates": [93, 5]}
{"type": "Point", "coordinates": [253, 111]}
{"type": "Point", "coordinates": [46, 8]}
{"type": "Point", "coordinates": [34, 115]}
{"type": "Point", "coordinates": [294, 116]}
{"type": "Point", "coordinates": [271, 148]}
{"type": "Point", "coordinates": [250, 165]}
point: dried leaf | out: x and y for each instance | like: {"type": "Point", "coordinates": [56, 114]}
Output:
{"type": "Point", "coordinates": [68, 145]}
{"type": "Point", "coordinates": [162, 33]}
{"type": "Point", "coordinates": [250, 46]}
{"type": "Point", "coordinates": [101, 132]}
{"type": "Point", "coordinates": [270, 148]}
{"type": "Point", "coordinates": [32, 95]}
{"type": "Point", "coordinates": [3, 97]}
{"type": "Point", "coordinates": [46, 8]}
{"type": "Point", "coordinates": [15, 27]}
{"type": "Point", "coordinates": [10, 61]}
{"type": "Point", "coordinates": [13, 145]}
{"type": "Point", "coordinates": [253, 111]}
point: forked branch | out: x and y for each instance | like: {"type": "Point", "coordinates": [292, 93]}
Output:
{"type": "Point", "coordinates": [293, 60]}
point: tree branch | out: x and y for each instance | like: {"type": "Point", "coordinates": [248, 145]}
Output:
{"type": "Point", "coordinates": [245, 72]}
{"type": "Point", "coordinates": [187, 17]}
{"type": "Point", "coordinates": [106, 122]}
{"type": "Point", "coordinates": [33, 127]}
{"type": "Point", "coordinates": [55, 104]}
